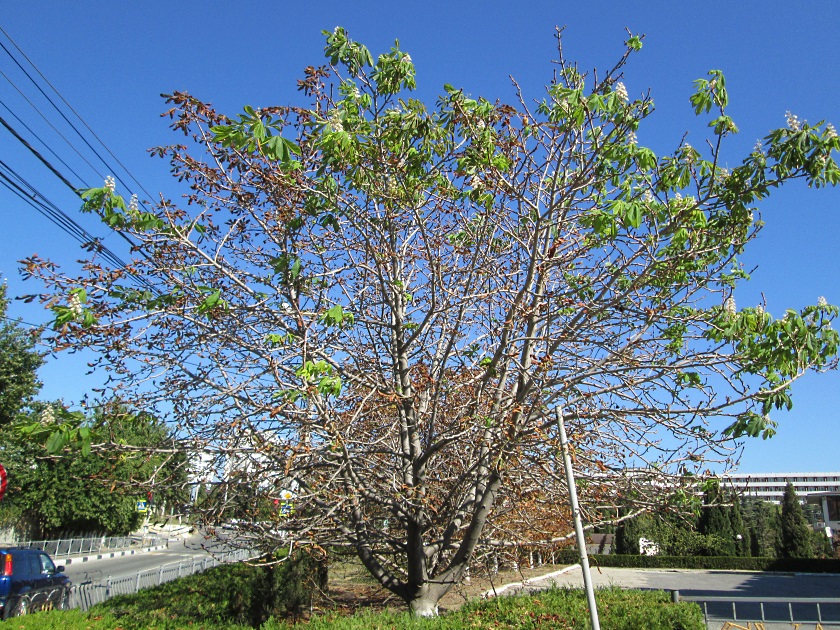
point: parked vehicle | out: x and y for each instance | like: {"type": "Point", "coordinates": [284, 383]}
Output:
{"type": "Point", "coordinates": [29, 580]}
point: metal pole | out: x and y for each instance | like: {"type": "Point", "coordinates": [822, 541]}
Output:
{"type": "Point", "coordinates": [581, 541]}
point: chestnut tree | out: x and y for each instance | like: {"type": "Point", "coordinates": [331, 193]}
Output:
{"type": "Point", "coordinates": [366, 310]}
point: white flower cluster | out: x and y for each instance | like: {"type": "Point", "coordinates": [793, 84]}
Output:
{"type": "Point", "coordinates": [110, 184]}
{"type": "Point", "coordinates": [723, 172]}
{"type": "Point", "coordinates": [759, 310]}
{"type": "Point", "coordinates": [48, 415]}
{"type": "Point", "coordinates": [759, 147]}
{"type": "Point", "coordinates": [821, 301]}
{"type": "Point", "coordinates": [688, 152]}
{"type": "Point", "coordinates": [631, 137]}
{"type": "Point", "coordinates": [621, 91]}
{"type": "Point", "coordinates": [793, 122]}
{"type": "Point", "coordinates": [335, 122]}
{"type": "Point", "coordinates": [647, 197]}
{"type": "Point", "coordinates": [830, 131]}
{"type": "Point", "coordinates": [729, 306]}
{"type": "Point", "coordinates": [406, 58]}
{"type": "Point", "coordinates": [133, 204]}
{"type": "Point", "coordinates": [75, 305]}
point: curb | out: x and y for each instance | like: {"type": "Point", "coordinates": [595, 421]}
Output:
{"type": "Point", "coordinates": [105, 556]}
{"type": "Point", "coordinates": [494, 592]}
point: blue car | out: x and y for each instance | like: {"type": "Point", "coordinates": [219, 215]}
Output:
{"type": "Point", "coordinates": [29, 580]}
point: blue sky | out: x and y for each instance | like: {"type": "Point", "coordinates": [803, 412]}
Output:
{"type": "Point", "coordinates": [112, 60]}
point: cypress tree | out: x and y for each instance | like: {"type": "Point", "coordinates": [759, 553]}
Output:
{"type": "Point", "coordinates": [715, 521]}
{"type": "Point", "coordinates": [740, 532]}
{"type": "Point", "coordinates": [795, 531]}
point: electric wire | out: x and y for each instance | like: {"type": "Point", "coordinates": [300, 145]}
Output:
{"type": "Point", "coordinates": [53, 88]}
{"type": "Point", "coordinates": [20, 187]}
{"type": "Point", "coordinates": [46, 146]}
{"type": "Point", "coordinates": [28, 193]}
{"type": "Point", "coordinates": [53, 214]}
{"type": "Point", "coordinates": [24, 190]}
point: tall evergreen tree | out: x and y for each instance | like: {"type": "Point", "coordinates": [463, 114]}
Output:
{"type": "Point", "coordinates": [740, 531]}
{"type": "Point", "coordinates": [795, 532]}
{"type": "Point", "coordinates": [715, 520]}
{"type": "Point", "coordinates": [18, 365]}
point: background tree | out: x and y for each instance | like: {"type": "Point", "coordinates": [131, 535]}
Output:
{"type": "Point", "coordinates": [19, 363]}
{"type": "Point", "coordinates": [763, 519]}
{"type": "Point", "coordinates": [715, 519]}
{"type": "Point", "coordinates": [796, 534]}
{"type": "Point", "coordinates": [82, 490]}
{"type": "Point", "coordinates": [379, 304]}
{"type": "Point", "coordinates": [740, 532]}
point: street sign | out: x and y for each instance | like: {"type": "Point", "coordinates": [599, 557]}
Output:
{"type": "Point", "coordinates": [142, 506]}
{"type": "Point", "coordinates": [3, 480]}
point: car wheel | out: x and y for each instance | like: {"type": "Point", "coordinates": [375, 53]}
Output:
{"type": "Point", "coordinates": [20, 608]}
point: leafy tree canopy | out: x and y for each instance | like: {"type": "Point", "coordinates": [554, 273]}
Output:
{"type": "Point", "coordinates": [19, 363]}
{"type": "Point", "coordinates": [376, 304]}
{"type": "Point", "coordinates": [82, 490]}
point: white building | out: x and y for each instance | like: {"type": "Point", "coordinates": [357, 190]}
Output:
{"type": "Point", "coordinates": [820, 488]}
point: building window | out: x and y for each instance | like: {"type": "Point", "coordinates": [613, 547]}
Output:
{"type": "Point", "coordinates": [833, 508]}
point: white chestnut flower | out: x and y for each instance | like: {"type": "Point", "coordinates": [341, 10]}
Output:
{"type": "Point", "coordinates": [631, 137]}
{"type": "Point", "coordinates": [335, 122]}
{"type": "Point", "coordinates": [793, 122]}
{"type": "Point", "coordinates": [821, 301]}
{"type": "Point", "coordinates": [48, 415]}
{"type": "Point", "coordinates": [729, 306]}
{"type": "Point", "coordinates": [830, 131]}
{"type": "Point", "coordinates": [110, 184]}
{"type": "Point", "coordinates": [621, 91]}
{"type": "Point", "coordinates": [75, 305]}
{"type": "Point", "coordinates": [133, 204]}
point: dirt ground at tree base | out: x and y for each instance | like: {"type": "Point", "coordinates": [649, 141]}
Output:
{"type": "Point", "coordinates": [352, 589]}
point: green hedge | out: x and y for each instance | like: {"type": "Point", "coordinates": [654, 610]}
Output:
{"type": "Point", "coordinates": [554, 608]}
{"type": "Point", "coordinates": [728, 563]}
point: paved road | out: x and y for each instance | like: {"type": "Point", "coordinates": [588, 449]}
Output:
{"type": "Point", "coordinates": [123, 566]}
{"type": "Point", "coordinates": [720, 584]}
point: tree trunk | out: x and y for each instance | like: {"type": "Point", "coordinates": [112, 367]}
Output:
{"type": "Point", "coordinates": [424, 605]}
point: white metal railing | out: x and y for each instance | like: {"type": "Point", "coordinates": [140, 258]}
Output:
{"type": "Point", "coordinates": [793, 610]}
{"type": "Point", "coordinates": [89, 594]}
{"type": "Point", "coordinates": [64, 547]}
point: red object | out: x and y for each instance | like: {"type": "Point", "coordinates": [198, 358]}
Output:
{"type": "Point", "coordinates": [7, 565]}
{"type": "Point", "coordinates": [2, 482]}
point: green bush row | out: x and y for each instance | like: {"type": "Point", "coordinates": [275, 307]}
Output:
{"type": "Point", "coordinates": [730, 563]}
{"type": "Point", "coordinates": [555, 608]}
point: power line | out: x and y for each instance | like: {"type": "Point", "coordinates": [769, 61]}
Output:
{"type": "Point", "coordinates": [53, 127]}
{"type": "Point", "coordinates": [93, 133]}
{"type": "Point", "coordinates": [17, 320]}
{"type": "Point", "coordinates": [24, 190]}
{"type": "Point", "coordinates": [46, 146]}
